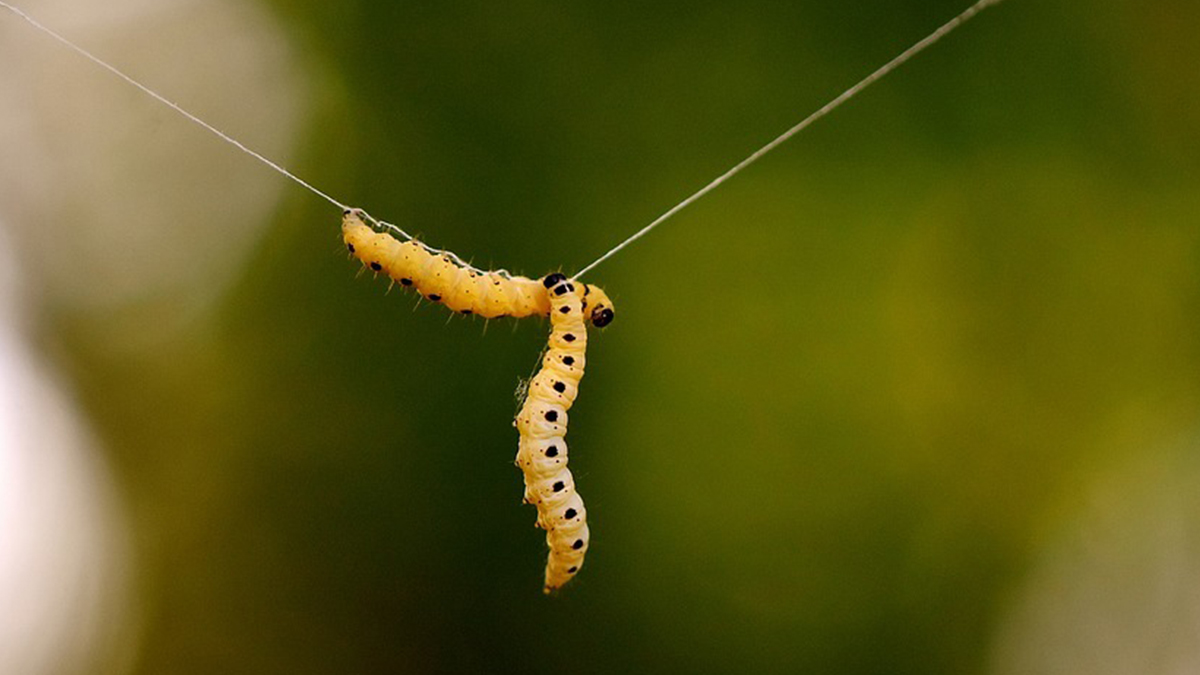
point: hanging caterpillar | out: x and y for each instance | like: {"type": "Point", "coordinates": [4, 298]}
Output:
{"type": "Point", "coordinates": [542, 424]}
{"type": "Point", "coordinates": [443, 277]}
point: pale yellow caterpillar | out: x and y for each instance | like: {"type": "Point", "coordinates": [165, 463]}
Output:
{"type": "Point", "coordinates": [441, 276]}
{"type": "Point", "coordinates": [542, 423]}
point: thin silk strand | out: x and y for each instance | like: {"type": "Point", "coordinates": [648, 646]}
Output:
{"type": "Point", "coordinates": [823, 111]}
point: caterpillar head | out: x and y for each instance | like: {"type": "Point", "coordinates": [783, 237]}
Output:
{"type": "Point", "coordinates": [596, 303]}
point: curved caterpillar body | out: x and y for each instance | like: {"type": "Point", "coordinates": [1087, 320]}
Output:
{"type": "Point", "coordinates": [443, 277]}
{"type": "Point", "coordinates": [542, 423]}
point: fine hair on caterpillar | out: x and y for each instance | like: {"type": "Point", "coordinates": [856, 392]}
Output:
{"type": "Point", "coordinates": [443, 277]}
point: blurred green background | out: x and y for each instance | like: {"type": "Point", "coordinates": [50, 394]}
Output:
{"type": "Point", "coordinates": [850, 401]}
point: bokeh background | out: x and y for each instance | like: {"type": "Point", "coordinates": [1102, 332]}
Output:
{"type": "Point", "coordinates": [918, 393]}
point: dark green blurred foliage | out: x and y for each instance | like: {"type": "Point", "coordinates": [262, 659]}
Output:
{"type": "Point", "coordinates": [844, 396]}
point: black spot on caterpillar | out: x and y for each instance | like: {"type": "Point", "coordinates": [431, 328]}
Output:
{"type": "Point", "coordinates": [443, 277]}
{"type": "Point", "coordinates": [542, 453]}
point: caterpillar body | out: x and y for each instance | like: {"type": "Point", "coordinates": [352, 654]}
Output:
{"type": "Point", "coordinates": [542, 424]}
{"type": "Point", "coordinates": [443, 277]}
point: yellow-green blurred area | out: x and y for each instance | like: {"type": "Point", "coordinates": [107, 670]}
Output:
{"type": "Point", "coordinates": [915, 394]}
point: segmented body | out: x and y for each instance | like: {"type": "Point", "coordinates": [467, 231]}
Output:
{"type": "Point", "coordinates": [542, 424]}
{"type": "Point", "coordinates": [443, 277]}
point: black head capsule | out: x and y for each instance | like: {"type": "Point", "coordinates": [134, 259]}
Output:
{"type": "Point", "coordinates": [602, 316]}
{"type": "Point", "coordinates": [554, 279]}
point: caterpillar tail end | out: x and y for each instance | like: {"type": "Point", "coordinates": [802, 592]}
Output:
{"type": "Point", "coordinates": [352, 216]}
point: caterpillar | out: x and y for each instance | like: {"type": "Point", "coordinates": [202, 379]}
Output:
{"type": "Point", "coordinates": [542, 425]}
{"type": "Point", "coordinates": [541, 422]}
{"type": "Point", "coordinates": [441, 276]}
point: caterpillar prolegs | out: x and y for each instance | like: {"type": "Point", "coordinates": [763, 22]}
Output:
{"type": "Point", "coordinates": [542, 421]}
